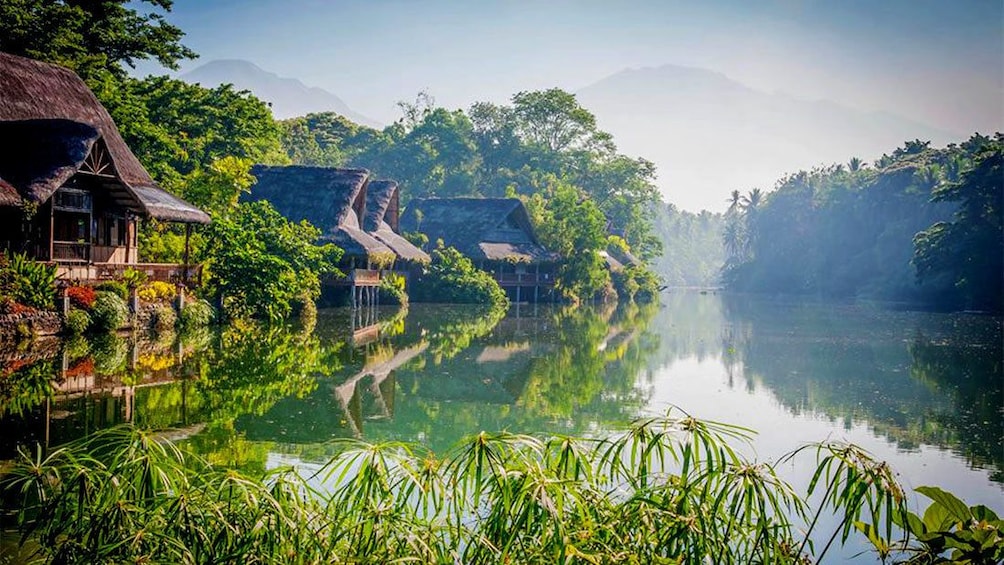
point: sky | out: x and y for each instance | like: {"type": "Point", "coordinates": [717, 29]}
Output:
{"type": "Point", "coordinates": [937, 62]}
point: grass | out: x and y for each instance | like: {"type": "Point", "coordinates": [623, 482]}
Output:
{"type": "Point", "coordinates": [665, 490]}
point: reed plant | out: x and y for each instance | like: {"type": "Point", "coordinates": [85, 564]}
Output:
{"type": "Point", "coordinates": [671, 489]}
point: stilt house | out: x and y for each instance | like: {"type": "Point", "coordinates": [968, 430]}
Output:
{"type": "Point", "coordinates": [71, 191]}
{"type": "Point", "coordinates": [335, 201]}
{"type": "Point", "coordinates": [495, 233]}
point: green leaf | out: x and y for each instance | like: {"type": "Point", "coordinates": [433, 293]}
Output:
{"type": "Point", "coordinates": [955, 507]}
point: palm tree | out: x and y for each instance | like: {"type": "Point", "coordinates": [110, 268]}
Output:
{"type": "Point", "coordinates": [752, 200]}
{"type": "Point", "coordinates": [855, 164]}
{"type": "Point", "coordinates": [734, 201]}
{"type": "Point", "coordinates": [732, 239]}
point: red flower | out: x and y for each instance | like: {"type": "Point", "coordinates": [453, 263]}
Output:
{"type": "Point", "coordinates": [81, 296]}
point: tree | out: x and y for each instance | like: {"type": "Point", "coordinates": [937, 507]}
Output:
{"type": "Point", "coordinates": [970, 249]}
{"type": "Point", "coordinates": [259, 264]}
{"type": "Point", "coordinates": [554, 120]}
{"type": "Point", "coordinates": [91, 37]}
{"type": "Point", "coordinates": [572, 225]}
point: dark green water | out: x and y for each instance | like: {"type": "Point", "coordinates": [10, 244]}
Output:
{"type": "Point", "coordinates": [920, 390]}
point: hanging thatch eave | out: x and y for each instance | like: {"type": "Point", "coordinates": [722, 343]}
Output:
{"type": "Point", "coordinates": [48, 97]}
{"type": "Point", "coordinates": [404, 249]}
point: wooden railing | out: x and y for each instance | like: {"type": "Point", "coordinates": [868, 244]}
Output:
{"type": "Point", "coordinates": [71, 251]}
{"type": "Point", "coordinates": [526, 279]}
{"type": "Point", "coordinates": [164, 272]}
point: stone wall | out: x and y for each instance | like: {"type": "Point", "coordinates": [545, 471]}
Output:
{"type": "Point", "coordinates": [14, 327]}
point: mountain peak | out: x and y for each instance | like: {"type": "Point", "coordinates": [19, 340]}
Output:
{"type": "Point", "coordinates": [289, 97]}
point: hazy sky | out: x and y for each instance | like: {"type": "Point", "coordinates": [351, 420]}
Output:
{"type": "Point", "coordinates": [938, 62]}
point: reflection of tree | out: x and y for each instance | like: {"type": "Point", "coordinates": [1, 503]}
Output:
{"type": "Point", "coordinates": [971, 376]}
{"type": "Point", "coordinates": [852, 364]}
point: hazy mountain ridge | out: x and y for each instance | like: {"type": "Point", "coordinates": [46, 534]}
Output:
{"type": "Point", "coordinates": [289, 97]}
{"type": "Point", "coordinates": [689, 121]}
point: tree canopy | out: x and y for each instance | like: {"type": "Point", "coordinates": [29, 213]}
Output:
{"type": "Point", "coordinates": [853, 231]}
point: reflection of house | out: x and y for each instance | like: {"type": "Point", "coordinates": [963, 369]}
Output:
{"type": "Point", "coordinates": [337, 202]}
{"type": "Point", "coordinates": [71, 191]}
{"type": "Point", "coordinates": [495, 233]}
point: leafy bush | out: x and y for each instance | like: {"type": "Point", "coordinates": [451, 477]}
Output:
{"type": "Point", "coordinates": [197, 313]}
{"type": "Point", "coordinates": [164, 318]}
{"type": "Point", "coordinates": [133, 278]}
{"type": "Point", "coordinates": [81, 296]}
{"type": "Point", "coordinates": [453, 278]}
{"type": "Point", "coordinates": [27, 282]}
{"type": "Point", "coordinates": [392, 289]}
{"type": "Point", "coordinates": [77, 321]}
{"type": "Point", "coordinates": [109, 312]}
{"type": "Point", "coordinates": [115, 287]}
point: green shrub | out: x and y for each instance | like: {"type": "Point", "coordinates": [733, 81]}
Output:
{"type": "Point", "coordinates": [164, 318]}
{"type": "Point", "coordinates": [392, 289]}
{"type": "Point", "coordinates": [453, 278]}
{"type": "Point", "coordinates": [115, 287]}
{"type": "Point", "coordinates": [77, 321]}
{"type": "Point", "coordinates": [197, 313]}
{"type": "Point", "coordinates": [27, 282]}
{"type": "Point", "coordinates": [109, 312]}
{"type": "Point", "coordinates": [132, 278]}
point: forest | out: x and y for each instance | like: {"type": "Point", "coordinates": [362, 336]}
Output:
{"type": "Point", "coordinates": [920, 225]}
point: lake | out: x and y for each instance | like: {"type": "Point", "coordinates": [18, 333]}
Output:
{"type": "Point", "coordinates": [922, 391]}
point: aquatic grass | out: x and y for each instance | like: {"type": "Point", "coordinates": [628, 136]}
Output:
{"type": "Point", "coordinates": [668, 489]}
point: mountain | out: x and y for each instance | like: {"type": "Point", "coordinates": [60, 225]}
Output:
{"type": "Point", "coordinates": [288, 96]}
{"type": "Point", "coordinates": [709, 134]}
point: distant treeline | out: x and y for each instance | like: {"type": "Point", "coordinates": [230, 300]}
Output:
{"type": "Point", "coordinates": [921, 225]}
{"type": "Point", "coordinates": [692, 253]}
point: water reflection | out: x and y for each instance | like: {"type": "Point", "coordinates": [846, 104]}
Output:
{"type": "Point", "coordinates": [434, 373]}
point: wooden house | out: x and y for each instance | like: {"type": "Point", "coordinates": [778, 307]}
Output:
{"type": "Point", "coordinates": [495, 233]}
{"type": "Point", "coordinates": [71, 191]}
{"type": "Point", "coordinates": [337, 201]}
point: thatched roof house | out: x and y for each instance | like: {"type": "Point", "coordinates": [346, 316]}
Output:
{"type": "Point", "coordinates": [484, 229]}
{"type": "Point", "coordinates": [71, 191]}
{"type": "Point", "coordinates": [334, 200]}
{"type": "Point", "coordinates": [54, 127]}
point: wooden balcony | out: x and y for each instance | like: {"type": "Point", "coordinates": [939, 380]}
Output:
{"type": "Point", "coordinates": [364, 277]}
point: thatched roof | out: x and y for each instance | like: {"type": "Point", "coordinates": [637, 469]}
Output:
{"type": "Point", "coordinates": [380, 220]}
{"type": "Point", "coordinates": [495, 229]}
{"type": "Point", "coordinates": [404, 249]}
{"type": "Point", "coordinates": [49, 108]}
{"type": "Point", "coordinates": [328, 198]}
{"type": "Point", "coordinates": [381, 198]}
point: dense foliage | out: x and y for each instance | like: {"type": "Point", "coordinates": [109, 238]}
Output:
{"type": "Point", "coordinates": [453, 278]}
{"type": "Point", "coordinates": [668, 489]}
{"type": "Point", "coordinates": [260, 264]}
{"type": "Point", "coordinates": [27, 282]}
{"type": "Point", "coordinates": [542, 146]}
{"type": "Point", "coordinates": [848, 230]}
{"type": "Point", "coordinates": [969, 250]}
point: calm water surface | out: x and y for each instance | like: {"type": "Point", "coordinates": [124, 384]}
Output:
{"type": "Point", "coordinates": [922, 391]}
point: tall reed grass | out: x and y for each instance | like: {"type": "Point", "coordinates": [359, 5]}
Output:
{"type": "Point", "coordinates": [666, 490]}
